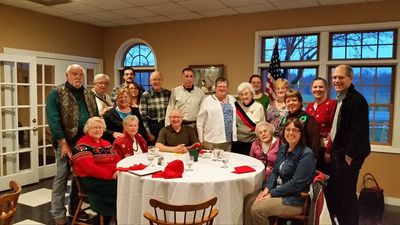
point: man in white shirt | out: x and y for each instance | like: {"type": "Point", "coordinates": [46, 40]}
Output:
{"type": "Point", "coordinates": [187, 98]}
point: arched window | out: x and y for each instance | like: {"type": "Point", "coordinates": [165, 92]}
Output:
{"type": "Point", "coordinates": [141, 58]}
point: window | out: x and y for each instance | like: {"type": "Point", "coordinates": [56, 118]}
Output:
{"type": "Point", "coordinates": [141, 58]}
{"type": "Point", "coordinates": [292, 48]}
{"type": "Point", "coordinates": [375, 84]}
{"type": "Point", "coordinates": [363, 45]}
{"type": "Point", "coordinates": [369, 48]}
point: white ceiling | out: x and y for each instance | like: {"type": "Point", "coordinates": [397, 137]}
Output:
{"type": "Point", "coordinates": [110, 13]}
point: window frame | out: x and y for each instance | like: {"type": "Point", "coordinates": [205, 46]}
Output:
{"type": "Point", "coordinates": [395, 35]}
{"type": "Point", "coordinates": [325, 62]}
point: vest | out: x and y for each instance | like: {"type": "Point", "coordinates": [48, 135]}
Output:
{"type": "Point", "coordinates": [69, 109]}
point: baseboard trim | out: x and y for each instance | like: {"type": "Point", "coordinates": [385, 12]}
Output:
{"type": "Point", "coordinates": [392, 201]}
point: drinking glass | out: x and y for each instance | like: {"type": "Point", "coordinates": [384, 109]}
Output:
{"type": "Point", "coordinates": [216, 154]}
{"type": "Point", "coordinates": [150, 157]}
{"type": "Point", "coordinates": [225, 159]}
{"type": "Point", "coordinates": [189, 162]}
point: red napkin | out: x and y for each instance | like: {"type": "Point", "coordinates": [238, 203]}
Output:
{"type": "Point", "coordinates": [174, 169]}
{"type": "Point", "coordinates": [139, 166]}
{"type": "Point", "coordinates": [243, 169]}
{"type": "Point", "coordinates": [203, 151]}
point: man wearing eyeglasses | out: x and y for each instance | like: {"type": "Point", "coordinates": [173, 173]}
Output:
{"type": "Point", "coordinates": [350, 147]}
{"type": "Point", "coordinates": [103, 100]}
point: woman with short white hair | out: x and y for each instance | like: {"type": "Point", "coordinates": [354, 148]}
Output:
{"type": "Point", "coordinates": [265, 147]}
{"type": "Point", "coordinates": [248, 114]}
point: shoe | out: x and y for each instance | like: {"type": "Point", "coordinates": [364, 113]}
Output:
{"type": "Point", "coordinates": [60, 221]}
{"type": "Point", "coordinates": [83, 215]}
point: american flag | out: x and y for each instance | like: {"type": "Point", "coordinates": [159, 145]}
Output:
{"type": "Point", "coordinates": [274, 72]}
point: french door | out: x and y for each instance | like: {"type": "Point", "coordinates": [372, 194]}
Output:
{"type": "Point", "coordinates": [26, 79]}
{"type": "Point", "coordinates": [18, 124]}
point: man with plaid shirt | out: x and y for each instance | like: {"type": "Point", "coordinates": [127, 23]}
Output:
{"type": "Point", "coordinates": [153, 107]}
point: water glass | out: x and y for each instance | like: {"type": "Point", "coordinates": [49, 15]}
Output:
{"type": "Point", "coordinates": [225, 159]}
{"type": "Point", "coordinates": [150, 157]}
{"type": "Point", "coordinates": [189, 162]}
{"type": "Point", "coordinates": [216, 154]}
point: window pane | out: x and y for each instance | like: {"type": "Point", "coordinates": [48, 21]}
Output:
{"type": "Point", "coordinates": [339, 52]}
{"type": "Point", "coordinates": [385, 51]}
{"type": "Point", "coordinates": [368, 93]}
{"type": "Point", "coordinates": [339, 40]}
{"type": "Point", "coordinates": [383, 95]}
{"type": "Point", "coordinates": [386, 37]}
{"type": "Point", "coordinates": [384, 76]}
{"type": "Point", "coordinates": [354, 39]}
{"type": "Point", "coordinates": [369, 52]}
{"type": "Point", "coordinates": [368, 75]}
{"type": "Point", "coordinates": [370, 38]}
{"type": "Point", "coordinates": [353, 52]}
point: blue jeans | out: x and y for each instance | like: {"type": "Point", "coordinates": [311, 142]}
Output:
{"type": "Point", "coordinates": [58, 209]}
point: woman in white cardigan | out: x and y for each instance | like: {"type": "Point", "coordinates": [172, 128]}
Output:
{"type": "Point", "coordinates": [216, 121]}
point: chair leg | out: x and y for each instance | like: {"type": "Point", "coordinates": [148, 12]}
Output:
{"type": "Point", "coordinates": [77, 212]}
{"type": "Point", "coordinates": [101, 217]}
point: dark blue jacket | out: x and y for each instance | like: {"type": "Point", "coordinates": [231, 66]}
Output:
{"type": "Point", "coordinates": [352, 135]}
{"type": "Point", "coordinates": [296, 169]}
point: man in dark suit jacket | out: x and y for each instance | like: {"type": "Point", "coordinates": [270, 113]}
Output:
{"type": "Point", "coordinates": [350, 147]}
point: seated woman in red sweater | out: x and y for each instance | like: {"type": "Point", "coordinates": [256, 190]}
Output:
{"type": "Point", "coordinates": [132, 142]}
{"type": "Point", "coordinates": [94, 162]}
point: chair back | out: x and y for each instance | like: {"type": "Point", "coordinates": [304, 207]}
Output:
{"type": "Point", "coordinates": [8, 203]}
{"type": "Point", "coordinates": [197, 214]}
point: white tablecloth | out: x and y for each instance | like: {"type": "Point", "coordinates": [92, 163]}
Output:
{"type": "Point", "coordinates": [207, 180]}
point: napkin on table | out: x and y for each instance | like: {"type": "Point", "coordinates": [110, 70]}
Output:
{"type": "Point", "coordinates": [243, 169]}
{"type": "Point", "coordinates": [174, 169]}
{"type": "Point", "coordinates": [139, 166]}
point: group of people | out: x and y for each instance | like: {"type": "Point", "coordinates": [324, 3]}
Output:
{"type": "Point", "coordinates": [93, 131]}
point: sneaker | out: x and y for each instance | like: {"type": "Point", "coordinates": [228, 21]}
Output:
{"type": "Point", "coordinates": [60, 221]}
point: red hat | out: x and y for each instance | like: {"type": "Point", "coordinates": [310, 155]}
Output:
{"type": "Point", "coordinates": [174, 169]}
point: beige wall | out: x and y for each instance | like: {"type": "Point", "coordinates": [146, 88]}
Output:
{"type": "Point", "coordinates": [224, 40]}
{"type": "Point", "coordinates": [229, 40]}
{"type": "Point", "coordinates": [25, 29]}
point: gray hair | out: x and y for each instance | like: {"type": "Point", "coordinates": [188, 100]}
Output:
{"type": "Point", "coordinates": [130, 118]}
{"type": "Point", "coordinates": [348, 71]}
{"type": "Point", "coordinates": [246, 86]}
{"type": "Point", "coordinates": [101, 76]}
{"type": "Point", "coordinates": [265, 124]}
{"type": "Point", "coordinates": [89, 123]}
{"type": "Point", "coordinates": [73, 66]}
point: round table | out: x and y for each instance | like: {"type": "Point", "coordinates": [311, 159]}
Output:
{"type": "Point", "coordinates": [206, 181]}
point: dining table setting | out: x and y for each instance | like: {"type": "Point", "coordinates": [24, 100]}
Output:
{"type": "Point", "coordinates": [179, 179]}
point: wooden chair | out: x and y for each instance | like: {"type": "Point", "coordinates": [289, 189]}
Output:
{"type": "Point", "coordinates": [302, 217]}
{"type": "Point", "coordinates": [8, 203]}
{"type": "Point", "coordinates": [82, 198]}
{"type": "Point", "coordinates": [202, 213]}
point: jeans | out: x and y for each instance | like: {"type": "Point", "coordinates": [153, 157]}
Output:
{"type": "Point", "coordinates": [58, 209]}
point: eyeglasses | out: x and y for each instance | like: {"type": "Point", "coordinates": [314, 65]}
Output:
{"type": "Point", "coordinates": [102, 83]}
{"type": "Point", "coordinates": [292, 130]}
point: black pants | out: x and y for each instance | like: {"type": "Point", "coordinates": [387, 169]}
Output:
{"type": "Point", "coordinates": [241, 147]}
{"type": "Point", "coordinates": [340, 192]}
{"type": "Point", "coordinates": [155, 127]}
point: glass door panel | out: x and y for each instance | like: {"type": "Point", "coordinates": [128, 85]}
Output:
{"type": "Point", "coordinates": [18, 120]}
